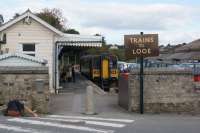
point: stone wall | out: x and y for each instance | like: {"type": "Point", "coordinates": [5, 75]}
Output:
{"type": "Point", "coordinates": [165, 91]}
{"type": "Point", "coordinates": [20, 83]}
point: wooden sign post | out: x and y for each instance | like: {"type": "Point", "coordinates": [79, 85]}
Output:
{"type": "Point", "coordinates": [143, 45]}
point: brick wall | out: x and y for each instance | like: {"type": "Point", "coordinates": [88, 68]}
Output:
{"type": "Point", "coordinates": [19, 82]}
{"type": "Point", "coordinates": [165, 91]}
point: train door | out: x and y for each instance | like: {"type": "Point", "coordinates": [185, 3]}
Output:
{"type": "Point", "coordinates": [96, 68]}
{"type": "Point", "coordinates": [105, 74]}
{"type": "Point", "coordinates": [105, 70]}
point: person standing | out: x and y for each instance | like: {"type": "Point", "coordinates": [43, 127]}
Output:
{"type": "Point", "coordinates": [69, 73]}
{"type": "Point", "coordinates": [73, 73]}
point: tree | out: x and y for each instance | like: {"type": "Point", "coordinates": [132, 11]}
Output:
{"type": "Point", "coordinates": [103, 39]}
{"type": "Point", "coordinates": [97, 34]}
{"type": "Point", "coordinates": [71, 31]}
{"type": "Point", "coordinates": [119, 53]}
{"type": "Point", "coordinates": [103, 49]}
{"type": "Point", "coordinates": [54, 17]}
{"type": "Point", "coordinates": [1, 19]}
{"type": "Point", "coordinates": [16, 15]}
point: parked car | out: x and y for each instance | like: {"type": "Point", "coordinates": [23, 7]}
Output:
{"type": "Point", "coordinates": [185, 66]}
{"type": "Point", "coordinates": [122, 66]}
{"type": "Point", "coordinates": [176, 67]}
{"type": "Point", "coordinates": [132, 66]}
{"type": "Point", "coordinates": [127, 67]}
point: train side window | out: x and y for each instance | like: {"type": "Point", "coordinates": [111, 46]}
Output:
{"type": "Point", "coordinates": [111, 64]}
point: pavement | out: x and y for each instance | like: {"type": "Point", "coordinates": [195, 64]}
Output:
{"type": "Point", "coordinates": [72, 99]}
{"type": "Point", "coordinates": [67, 116]}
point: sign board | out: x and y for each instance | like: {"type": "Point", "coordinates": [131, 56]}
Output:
{"type": "Point", "coordinates": [141, 45]}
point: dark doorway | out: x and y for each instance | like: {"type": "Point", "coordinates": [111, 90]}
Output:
{"type": "Point", "coordinates": [69, 57]}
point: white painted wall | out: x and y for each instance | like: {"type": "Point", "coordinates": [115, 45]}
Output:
{"type": "Point", "coordinates": [36, 33]}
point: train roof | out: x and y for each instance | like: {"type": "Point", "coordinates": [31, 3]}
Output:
{"type": "Point", "coordinates": [93, 56]}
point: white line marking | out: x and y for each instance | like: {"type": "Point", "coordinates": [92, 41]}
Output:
{"type": "Point", "coordinates": [88, 122]}
{"type": "Point", "coordinates": [93, 118]}
{"type": "Point", "coordinates": [17, 129]}
{"type": "Point", "coordinates": [35, 122]}
{"type": "Point", "coordinates": [105, 124]}
{"type": "Point", "coordinates": [59, 119]}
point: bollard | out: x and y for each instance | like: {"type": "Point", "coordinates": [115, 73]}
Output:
{"type": "Point", "coordinates": [89, 107]}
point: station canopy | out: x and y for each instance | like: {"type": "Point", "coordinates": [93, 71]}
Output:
{"type": "Point", "coordinates": [79, 40]}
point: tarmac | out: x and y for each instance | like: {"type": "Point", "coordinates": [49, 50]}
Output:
{"type": "Point", "coordinates": [72, 100]}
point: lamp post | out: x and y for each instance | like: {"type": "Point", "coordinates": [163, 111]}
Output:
{"type": "Point", "coordinates": [141, 83]}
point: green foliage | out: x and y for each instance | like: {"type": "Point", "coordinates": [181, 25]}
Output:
{"type": "Point", "coordinates": [16, 15]}
{"type": "Point", "coordinates": [71, 31]}
{"type": "Point", "coordinates": [54, 17]}
{"type": "Point", "coordinates": [1, 19]}
{"type": "Point", "coordinates": [94, 51]}
{"type": "Point", "coordinates": [97, 34]}
{"type": "Point", "coordinates": [103, 49]}
{"type": "Point", "coordinates": [119, 53]}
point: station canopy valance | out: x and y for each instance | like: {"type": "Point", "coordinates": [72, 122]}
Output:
{"type": "Point", "coordinates": [79, 40]}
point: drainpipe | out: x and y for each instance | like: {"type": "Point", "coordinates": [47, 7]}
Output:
{"type": "Point", "coordinates": [0, 48]}
{"type": "Point", "coordinates": [1, 41]}
{"type": "Point", "coordinates": [56, 56]}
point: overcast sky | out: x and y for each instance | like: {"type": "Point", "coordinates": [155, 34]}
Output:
{"type": "Point", "coordinates": [176, 21]}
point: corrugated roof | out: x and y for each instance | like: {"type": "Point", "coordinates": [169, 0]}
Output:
{"type": "Point", "coordinates": [192, 46]}
{"type": "Point", "coordinates": [195, 55]}
{"type": "Point", "coordinates": [23, 56]}
{"type": "Point", "coordinates": [190, 51]}
{"type": "Point", "coordinates": [184, 56]}
{"type": "Point", "coordinates": [160, 57]}
{"type": "Point", "coordinates": [80, 40]}
{"type": "Point", "coordinates": [178, 56]}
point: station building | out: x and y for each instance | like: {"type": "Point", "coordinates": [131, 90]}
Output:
{"type": "Point", "coordinates": [30, 35]}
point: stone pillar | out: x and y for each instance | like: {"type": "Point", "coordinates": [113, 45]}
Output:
{"type": "Point", "coordinates": [89, 106]}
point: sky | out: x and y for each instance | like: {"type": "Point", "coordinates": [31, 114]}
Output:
{"type": "Point", "coordinates": [176, 21]}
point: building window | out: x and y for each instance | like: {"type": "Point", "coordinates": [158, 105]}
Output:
{"type": "Point", "coordinates": [3, 38]}
{"type": "Point", "coordinates": [29, 49]}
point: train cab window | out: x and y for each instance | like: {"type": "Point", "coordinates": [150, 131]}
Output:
{"type": "Point", "coordinates": [96, 63]}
